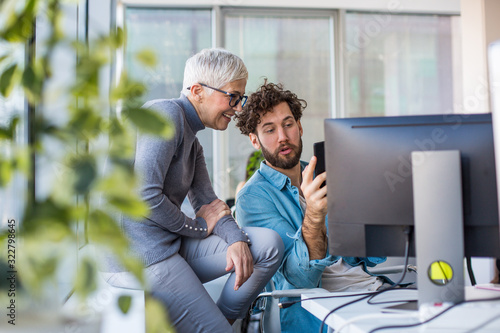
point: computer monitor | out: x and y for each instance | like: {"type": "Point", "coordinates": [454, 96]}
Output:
{"type": "Point", "coordinates": [369, 178]}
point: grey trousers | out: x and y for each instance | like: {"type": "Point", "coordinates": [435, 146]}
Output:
{"type": "Point", "coordinates": [178, 281]}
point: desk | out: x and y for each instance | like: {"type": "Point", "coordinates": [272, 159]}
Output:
{"type": "Point", "coordinates": [462, 318]}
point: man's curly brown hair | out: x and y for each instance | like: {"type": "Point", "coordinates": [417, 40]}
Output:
{"type": "Point", "coordinates": [263, 101]}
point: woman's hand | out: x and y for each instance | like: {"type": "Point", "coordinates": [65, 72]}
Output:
{"type": "Point", "coordinates": [213, 212]}
{"type": "Point", "coordinates": [240, 258]}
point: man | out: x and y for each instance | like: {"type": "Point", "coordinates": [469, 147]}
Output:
{"type": "Point", "coordinates": [284, 195]}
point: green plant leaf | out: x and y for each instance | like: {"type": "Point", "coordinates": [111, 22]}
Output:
{"type": "Point", "coordinates": [32, 82]}
{"type": "Point", "coordinates": [47, 213]}
{"type": "Point", "coordinates": [9, 131]}
{"type": "Point", "coordinates": [131, 206]}
{"type": "Point", "coordinates": [85, 123]}
{"type": "Point", "coordinates": [128, 91]}
{"type": "Point", "coordinates": [254, 163]}
{"type": "Point", "coordinates": [5, 172]}
{"type": "Point", "coordinates": [86, 278]}
{"type": "Point", "coordinates": [157, 320]}
{"type": "Point", "coordinates": [2, 58]}
{"type": "Point", "coordinates": [7, 81]}
{"type": "Point", "coordinates": [124, 303]}
{"type": "Point", "coordinates": [149, 121]}
{"type": "Point", "coordinates": [103, 229]}
{"type": "Point", "coordinates": [19, 25]}
{"type": "Point", "coordinates": [147, 57]}
{"type": "Point", "coordinates": [84, 168]}
{"type": "Point", "coordinates": [117, 38]}
{"type": "Point", "coordinates": [22, 160]}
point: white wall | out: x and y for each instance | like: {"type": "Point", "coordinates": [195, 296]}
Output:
{"type": "Point", "coordinates": [480, 26]}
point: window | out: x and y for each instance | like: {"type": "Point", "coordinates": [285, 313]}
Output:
{"type": "Point", "coordinates": [394, 64]}
{"type": "Point", "coordinates": [289, 47]}
{"type": "Point", "coordinates": [401, 64]}
{"type": "Point", "coordinates": [174, 35]}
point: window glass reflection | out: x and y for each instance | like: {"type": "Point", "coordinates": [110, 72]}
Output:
{"type": "Point", "coordinates": [174, 35]}
{"type": "Point", "coordinates": [294, 50]}
{"type": "Point", "coordinates": [402, 64]}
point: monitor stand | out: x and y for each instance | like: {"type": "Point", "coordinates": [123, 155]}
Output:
{"type": "Point", "coordinates": [439, 239]}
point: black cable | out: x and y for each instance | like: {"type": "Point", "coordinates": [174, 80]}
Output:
{"type": "Point", "coordinates": [407, 231]}
{"type": "Point", "coordinates": [390, 302]}
{"type": "Point", "coordinates": [441, 268]}
{"type": "Point", "coordinates": [470, 271]}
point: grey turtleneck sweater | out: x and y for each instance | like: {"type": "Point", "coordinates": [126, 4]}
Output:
{"type": "Point", "coordinates": [170, 170]}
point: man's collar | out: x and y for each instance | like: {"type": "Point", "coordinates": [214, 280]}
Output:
{"type": "Point", "coordinates": [275, 177]}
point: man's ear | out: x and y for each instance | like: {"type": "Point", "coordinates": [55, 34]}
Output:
{"type": "Point", "coordinates": [301, 131]}
{"type": "Point", "coordinates": [254, 140]}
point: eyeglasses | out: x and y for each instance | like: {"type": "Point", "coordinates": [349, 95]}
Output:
{"type": "Point", "coordinates": [235, 99]}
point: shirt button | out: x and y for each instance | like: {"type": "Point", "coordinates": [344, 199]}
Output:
{"type": "Point", "coordinates": [195, 229]}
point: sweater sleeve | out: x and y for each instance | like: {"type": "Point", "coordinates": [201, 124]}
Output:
{"type": "Point", "coordinates": [201, 192]}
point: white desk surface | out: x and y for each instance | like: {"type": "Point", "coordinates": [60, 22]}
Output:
{"type": "Point", "coordinates": [468, 317]}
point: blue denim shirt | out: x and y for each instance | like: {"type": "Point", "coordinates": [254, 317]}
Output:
{"type": "Point", "coordinates": [269, 200]}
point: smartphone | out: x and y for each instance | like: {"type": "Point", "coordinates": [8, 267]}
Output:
{"type": "Point", "coordinates": [319, 152]}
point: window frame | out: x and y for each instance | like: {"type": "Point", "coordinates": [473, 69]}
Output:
{"type": "Point", "coordinates": [338, 94]}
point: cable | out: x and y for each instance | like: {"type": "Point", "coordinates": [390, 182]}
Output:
{"type": "Point", "coordinates": [441, 268]}
{"type": "Point", "coordinates": [433, 317]}
{"type": "Point", "coordinates": [470, 271]}
{"type": "Point", "coordinates": [408, 232]}
{"type": "Point", "coordinates": [390, 302]}
{"type": "Point", "coordinates": [483, 324]}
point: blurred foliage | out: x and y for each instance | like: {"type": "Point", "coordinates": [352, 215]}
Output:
{"type": "Point", "coordinates": [49, 228]}
{"type": "Point", "coordinates": [253, 163]}
{"type": "Point", "coordinates": [156, 322]}
{"type": "Point", "coordinates": [124, 302]}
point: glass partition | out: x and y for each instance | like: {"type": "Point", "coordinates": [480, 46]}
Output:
{"type": "Point", "coordinates": [401, 64]}
{"type": "Point", "coordinates": [293, 48]}
{"type": "Point", "coordinates": [174, 35]}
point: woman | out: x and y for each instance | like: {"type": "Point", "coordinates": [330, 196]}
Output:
{"type": "Point", "coordinates": [181, 253]}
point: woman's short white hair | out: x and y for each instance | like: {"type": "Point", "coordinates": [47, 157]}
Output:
{"type": "Point", "coordinates": [215, 67]}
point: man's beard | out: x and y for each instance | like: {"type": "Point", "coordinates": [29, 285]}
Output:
{"type": "Point", "coordinates": [283, 161]}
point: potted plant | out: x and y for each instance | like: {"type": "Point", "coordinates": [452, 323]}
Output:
{"type": "Point", "coordinates": [76, 208]}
